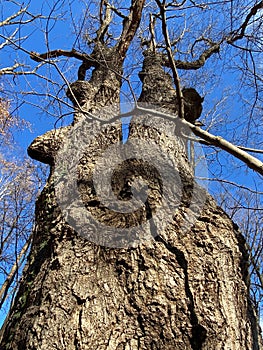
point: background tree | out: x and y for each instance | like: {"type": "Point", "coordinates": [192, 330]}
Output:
{"type": "Point", "coordinates": [19, 186]}
{"type": "Point", "coordinates": [197, 41]}
{"type": "Point", "coordinates": [20, 180]}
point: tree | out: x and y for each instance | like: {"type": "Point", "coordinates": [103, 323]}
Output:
{"type": "Point", "coordinates": [19, 183]}
{"type": "Point", "coordinates": [20, 180]}
{"type": "Point", "coordinates": [184, 285]}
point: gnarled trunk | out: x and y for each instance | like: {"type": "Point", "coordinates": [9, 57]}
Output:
{"type": "Point", "coordinates": [183, 287]}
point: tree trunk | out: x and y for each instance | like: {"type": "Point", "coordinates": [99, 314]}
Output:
{"type": "Point", "coordinates": [185, 287]}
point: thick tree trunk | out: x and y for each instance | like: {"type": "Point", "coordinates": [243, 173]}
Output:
{"type": "Point", "coordinates": [180, 289]}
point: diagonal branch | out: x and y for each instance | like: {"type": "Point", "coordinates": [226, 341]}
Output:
{"type": "Point", "coordinates": [199, 63]}
{"type": "Point", "coordinates": [10, 278]}
{"type": "Point", "coordinates": [214, 46]}
{"type": "Point", "coordinates": [130, 26]}
{"type": "Point", "coordinates": [218, 141]}
{"type": "Point", "coordinates": [237, 36]}
{"type": "Point", "coordinates": [8, 20]}
{"type": "Point", "coordinates": [57, 53]}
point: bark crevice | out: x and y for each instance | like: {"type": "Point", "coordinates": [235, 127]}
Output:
{"type": "Point", "coordinates": [198, 331]}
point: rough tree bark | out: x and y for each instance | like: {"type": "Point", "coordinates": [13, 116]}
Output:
{"type": "Point", "coordinates": [180, 289]}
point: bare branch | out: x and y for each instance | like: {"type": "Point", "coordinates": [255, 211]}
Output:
{"type": "Point", "coordinates": [237, 36]}
{"type": "Point", "coordinates": [253, 150]}
{"type": "Point", "coordinates": [227, 146]}
{"type": "Point", "coordinates": [199, 63]}
{"type": "Point", "coordinates": [115, 10]}
{"type": "Point", "coordinates": [171, 61]}
{"type": "Point", "coordinates": [231, 183]}
{"type": "Point", "coordinates": [7, 41]}
{"type": "Point", "coordinates": [247, 149]}
{"type": "Point", "coordinates": [255, 265]}
{"type": "Point", "coordinates": [214, 46]}
{"type": "Point", "coordinates": [12, 70]}
{"type": "Point", "coordinates": [8, 20]}
{"type": "Point", "coordinates": [57, 53]}
{"type": "Point", "coordinates": [130, 25]}
{"type": "Point", "coordinates": [218, 141]}
{"type": "Point", "coordinates": [9, 280]}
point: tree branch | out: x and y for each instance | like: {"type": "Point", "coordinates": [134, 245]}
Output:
{"type": "Point", "coordinates": [171, 61]}
{"type": "Point", "coordinates": [57, 53]}
{"type": "Point", "coordinates": [214, 48]}
{"type": "Point", "coordinates": [218, 141]}
{"type": "Point", "coordinates": [130, 25]}
{"type": "Point", "coordinates": [8, 20]}
{"type": "Point", "coordinates": [244, 25]}
{"type": "Point", "coordinates": [9, 280]}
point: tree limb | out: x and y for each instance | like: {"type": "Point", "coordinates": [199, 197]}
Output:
{"type": "Point", "coordinates": [171, 61]}
{"type": "Point", "coordinates": [8, 20]}
{"type": "Point", "coordinates": [194, 65]}
{"type": "Point", "coordinates": [227, 146]}
{"type": "Point", "coordinates": [214, 47]}
{"type": "Point", "coordinates": [235, 36]}
{"type": "Point", "coordinates": [9, 280]}
{"type": "Point", "coordinates": [218, 141]}
{"type": "Point", "coordinates": [57, 53]}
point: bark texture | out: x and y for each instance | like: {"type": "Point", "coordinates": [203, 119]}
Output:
{"type": "Point", "coordinates": [180, 289]}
